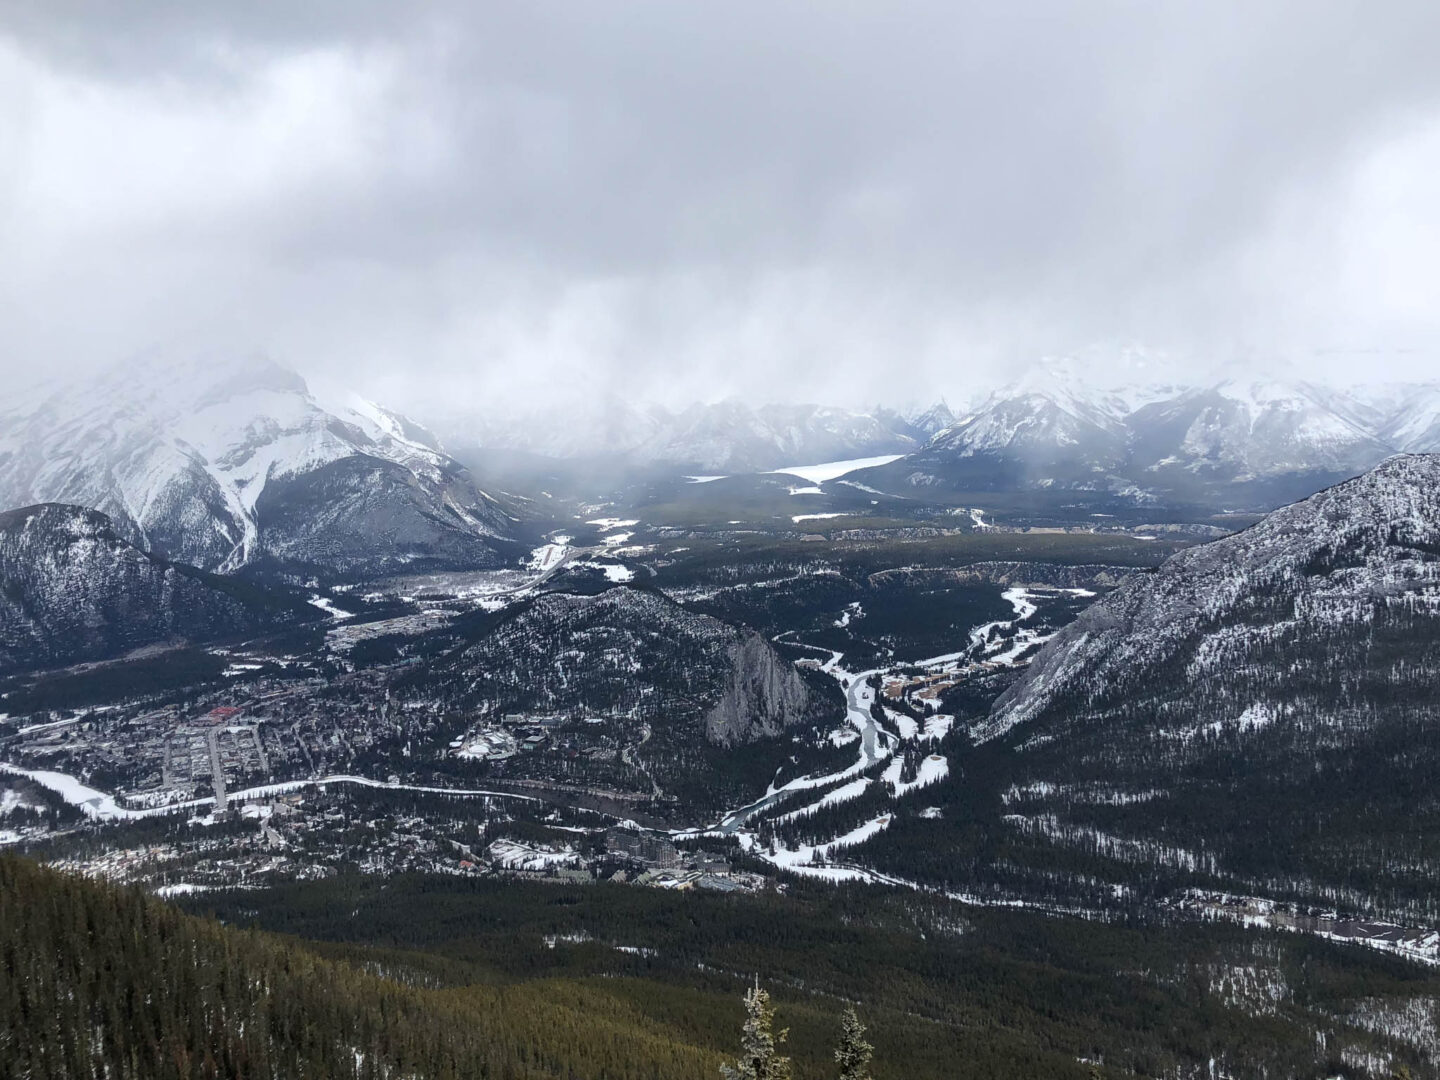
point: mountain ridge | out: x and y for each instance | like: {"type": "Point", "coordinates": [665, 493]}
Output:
{"type": "Point", "coordinates": [74, 589]}
{"type": "Point", "coordinates": [185, 459]}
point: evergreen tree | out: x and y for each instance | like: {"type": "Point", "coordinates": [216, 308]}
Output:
{"type": "Point", "coordinates": [854, 1053]}
{"type": "Point", "coordinates": [758, 1040]}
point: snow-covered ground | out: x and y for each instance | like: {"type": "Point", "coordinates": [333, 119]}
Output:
{"type": "Point", "coordinates": [548, 555]}
{"type": "Point", "coordinates": [803, 859]}
{"type": "Point", "coordinates": [325, 604]}
{"type": "Point", "coordinates": [833, 470]}
{"type": "Point", "coordinates": [932, 770]}
{"type": "Point", "coordinates": [514, 855]}
{"type": "Point", "coordinates": [853, 790]}
{"type": "Point", "coordinates": [104, 807]}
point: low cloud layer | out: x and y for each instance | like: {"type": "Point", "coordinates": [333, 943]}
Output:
{"type": "Point", "coordinates": [444, 202]}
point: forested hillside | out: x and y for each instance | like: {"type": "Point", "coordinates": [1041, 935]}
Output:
{"type": "Point", "coordinates": [73, 589]}
{"type": "Point", "coordinates": [103, 982]}
{"type": "Point", "coordinates": [1259, 714]}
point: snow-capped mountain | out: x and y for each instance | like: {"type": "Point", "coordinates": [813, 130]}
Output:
{"type": "Point", "coordinates": [732, 437]}
{"type": "Point", "coordinates": [1415, 425]}
{"type": "Point", "coordinates": [230, 462]}
{"type": "Point", "coordinates": [1248, 430]}
{"type": "Point", "coordinates": [1240, 441]}
{"type": "Point", "coordinates": [74, 589]}
{"type": "Point", "coordinates": [1262, 706]}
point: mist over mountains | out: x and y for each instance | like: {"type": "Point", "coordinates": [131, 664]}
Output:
{"type": "Point", "coordinates": [1256, 441]}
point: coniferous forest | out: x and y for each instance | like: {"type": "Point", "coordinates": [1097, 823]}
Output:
{"type": "Point", "coordinates": [362, 978]}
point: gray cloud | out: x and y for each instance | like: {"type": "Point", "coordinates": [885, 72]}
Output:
{"type": "Point", "coordinates": [817, 200]}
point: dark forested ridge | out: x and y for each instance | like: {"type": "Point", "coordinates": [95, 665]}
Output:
{"type": "Point", "coordinates": [1260, 714]}
{"type": "Point", "coordinates": [444, 978]}
{"type": "Point", "coordinates": [73, 589]}
{"type": "Point", "coordinates": [104, 982]}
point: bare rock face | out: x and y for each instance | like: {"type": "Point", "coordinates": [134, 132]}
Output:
{"type": "Point", "coordinates": [762, 696]}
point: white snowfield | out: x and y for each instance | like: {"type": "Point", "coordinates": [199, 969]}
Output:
{"type": "Point", "coordinates": [932, 770]}
{"type": "Point", "coordinates": [513, 855]}
{"type": "Point", "coordinates": [548, 555]}
{"type": "Point", "coordinates": [833, 470]}
{"type": "Point", "coordinates": [325, 604]}
{"type": "Point", "coordinates": [842, 794]}
{"type": "Point", "coordinates": [802, 860]}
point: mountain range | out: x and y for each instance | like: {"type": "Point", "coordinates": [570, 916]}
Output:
{"type": "Point", "coordinates": [231, 463]}
{"type": "Point", "coordinates": [1247, 442]}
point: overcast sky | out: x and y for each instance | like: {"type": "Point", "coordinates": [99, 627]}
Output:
{"type": "Point", "coordinates": [828, 201]}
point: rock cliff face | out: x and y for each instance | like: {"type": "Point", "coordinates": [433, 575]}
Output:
{"type": "Point", "coordinates": [72, 589]}
{"type": "Point", "coordinates": [762, 696]}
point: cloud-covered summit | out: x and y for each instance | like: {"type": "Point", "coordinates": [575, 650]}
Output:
{"type": "Point", "coordinates": [780, 200]}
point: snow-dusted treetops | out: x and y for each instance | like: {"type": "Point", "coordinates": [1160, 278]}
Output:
{"type": "Point", "coordinates": [1260, 708]}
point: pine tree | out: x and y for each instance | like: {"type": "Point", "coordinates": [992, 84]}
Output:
{"type": "Point", "coordinates": [854, 1053]}
{"type": "Point", "coordinates": [758, 1040]}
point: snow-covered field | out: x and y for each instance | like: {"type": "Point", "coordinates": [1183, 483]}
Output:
{"type": "Point", "coordinates": [833, 470]}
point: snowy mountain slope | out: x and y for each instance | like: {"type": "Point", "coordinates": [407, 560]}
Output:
{"type": "Point", "coordinates": [1344, 554]}
{"type": "Point", "coordinates": [74, 589]}
{"type": "Point", "coordinates": [1281, 680]}
{"type": "Point", "coordinates": [1248, 430]}
{"type": "Point", "coordinates": [1239, 442]}
{"type": "Point", "coordinates": [184, 458]}
{"type": "Point", "coordinates": [703, 687]}
{"type": "Point", "coordinates": [1414, 426]}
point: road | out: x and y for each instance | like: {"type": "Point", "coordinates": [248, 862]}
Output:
{"type": "Point", "coordinates": [627, 756]}
{"type": "Point", "coordinates": [217, 772]}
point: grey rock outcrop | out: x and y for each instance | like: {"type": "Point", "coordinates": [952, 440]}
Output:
{"type": "Point", "coordinates": [763, 696]}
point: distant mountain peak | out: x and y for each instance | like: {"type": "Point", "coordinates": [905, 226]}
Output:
{"type": "Point", "coordinates": [204, 458]}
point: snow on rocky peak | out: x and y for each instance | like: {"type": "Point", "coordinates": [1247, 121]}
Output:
{"type": "Point", "coordinates": [1415, 425]}
{"type": "Point", "coordinates": [1257, 428]}
{"type": "Point", "coordinates": [181, 454]}
{"type": "Point", "coordinates": [76, 590]}
{"type": "Point", "coordinates": [1330, 560]}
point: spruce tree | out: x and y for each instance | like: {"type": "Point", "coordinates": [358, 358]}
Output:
{"type": "Point", "coordinates": [758, 1040]}
{"type": "Point", "coordinates": [854, 1053]}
